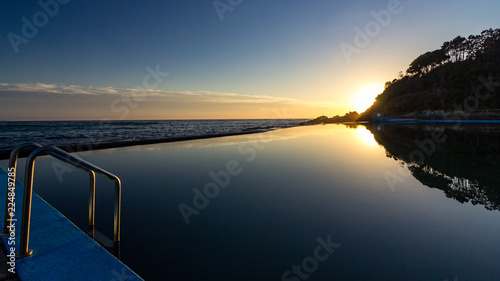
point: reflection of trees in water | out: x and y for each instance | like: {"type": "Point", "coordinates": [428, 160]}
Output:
{"type": "Point", "coordinates": [465, 166]}
{"type": "Point", "coordinates": [351, 125]}
{"type": "Point", "coordinates": [461, 189]}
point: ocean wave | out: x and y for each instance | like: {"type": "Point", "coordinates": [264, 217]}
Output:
{"type": "Point", "coordinates": [64, 133]}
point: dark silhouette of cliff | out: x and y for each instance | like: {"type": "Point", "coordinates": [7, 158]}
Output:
{"type": "Point", "coordinates": [462, 76]}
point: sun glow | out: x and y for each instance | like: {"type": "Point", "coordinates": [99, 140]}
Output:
{"type": "Point", "coordinates": [366, 136]}
{"type": "Point", "coordinates": [365, 97]}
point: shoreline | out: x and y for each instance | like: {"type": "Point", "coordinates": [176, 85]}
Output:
{"type": "Point", "coordinates": [72, 148]}
{"type": "Point", "coordinates": [82, 147]}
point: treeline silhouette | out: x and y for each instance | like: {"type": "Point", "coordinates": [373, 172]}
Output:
{"type": "Point", "coordinates": [351, 116]}
{"type": "Point", "coordinates": [452, 78]}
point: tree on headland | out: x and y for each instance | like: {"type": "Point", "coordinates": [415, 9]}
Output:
{"type": "Point", "coordinates": [442, 79]}
{"type": "Point", "coordinates": [457, 50]}
{"type": "Point", "coordinates": [427, 62]}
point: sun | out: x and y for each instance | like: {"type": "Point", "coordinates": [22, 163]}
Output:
{"type": "Point", "coordinates": [365, 96]}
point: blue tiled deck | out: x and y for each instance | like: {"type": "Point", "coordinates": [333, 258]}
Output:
{"type": "Point", "coordinates": [61, 250]}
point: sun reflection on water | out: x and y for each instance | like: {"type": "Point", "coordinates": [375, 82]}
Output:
{"type": "Point", "coordinates": [366, 136]}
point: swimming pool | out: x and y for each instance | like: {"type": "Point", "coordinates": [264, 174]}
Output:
{"type": "Point", "coordinates": [305, 203]}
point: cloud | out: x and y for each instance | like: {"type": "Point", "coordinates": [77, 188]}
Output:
{"type": "Point", "coordinates": [55, 89]}
{"type": "Point", "coordinates": [53, 101]}
{"type": "Point", "coordinates": [201, 96]}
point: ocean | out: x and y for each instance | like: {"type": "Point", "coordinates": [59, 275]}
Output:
{"type": "Point", "coordinates": [65, 133]}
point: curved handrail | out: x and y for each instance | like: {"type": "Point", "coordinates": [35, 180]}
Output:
{"type": "Point", "coordinates": [28, 190]}
{"type": "Point", "coordinates": [7, 219]}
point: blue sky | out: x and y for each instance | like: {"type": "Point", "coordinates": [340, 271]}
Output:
{"type": "Point", "coordinates": [263, 57]}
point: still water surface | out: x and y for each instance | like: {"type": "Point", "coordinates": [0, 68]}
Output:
{"type": "Point", "coordinates": [307, 203]}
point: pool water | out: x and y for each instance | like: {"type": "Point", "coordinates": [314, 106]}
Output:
{"type": "Point", "coordinates": [308, 203]}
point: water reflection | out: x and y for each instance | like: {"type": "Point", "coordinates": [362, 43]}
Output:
{"type": "Point", "coordinates": [300, 184]}
{"type": "Point", "coordinates": [460, 160]}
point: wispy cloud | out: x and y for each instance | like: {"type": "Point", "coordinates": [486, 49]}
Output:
{"type": "Point", "coordinates": [200, 96]}
{"type": "Point", "coordinates": [55, 89]}
{"type": "Point", "coordinates": [53, 99]}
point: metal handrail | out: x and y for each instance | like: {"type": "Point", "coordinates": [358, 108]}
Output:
{"type": "Point", "coordinates": [78, 163]}
{"type": "Point", "coordinates": [7, 219]}
{"type": "Point", "coordinates": [13, 164]}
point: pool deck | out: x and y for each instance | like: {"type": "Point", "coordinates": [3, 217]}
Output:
{"type": "Point", "coordinates": [61, 250]}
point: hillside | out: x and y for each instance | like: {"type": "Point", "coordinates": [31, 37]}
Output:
{"type": "Point", "coordinates": [462, 76]}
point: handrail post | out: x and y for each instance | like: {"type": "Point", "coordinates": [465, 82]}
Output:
{"type": "Point", "coordinates": [118, 210]}
{"type": "Point", "coordinates": [26, 214]}
{"type": "Point", "coordinates": [7, 219]}
{"type": "Point", "coordinates": [81, 164]}
{"type": "Point", "coordinates": [91, 203]}
{"type": "Point", "coordinates": [117, 216]}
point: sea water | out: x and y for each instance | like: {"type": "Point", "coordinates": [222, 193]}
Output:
{"type": "Point", "coordinates": [86, 132]}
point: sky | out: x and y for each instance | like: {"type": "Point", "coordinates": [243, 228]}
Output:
{"type": "Point", "coordinates": [223, 59]}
